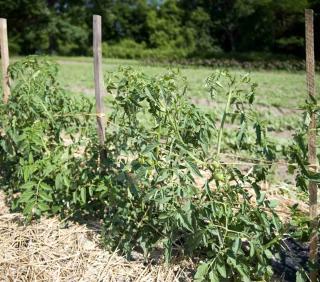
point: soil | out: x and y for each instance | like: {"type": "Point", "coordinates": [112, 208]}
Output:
{"type": "Point", "coordinates": [293, 258]}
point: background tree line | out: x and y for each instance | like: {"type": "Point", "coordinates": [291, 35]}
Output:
{"type": "Point", "coordinates": [168, 28]}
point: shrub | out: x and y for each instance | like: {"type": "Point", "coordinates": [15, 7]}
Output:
{"type": "Point", "coordinates": [129, 49]}
{"type": "Point", "coordinates": [125, 49]}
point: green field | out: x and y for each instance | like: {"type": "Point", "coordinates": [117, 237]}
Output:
{"type": "Point", "coordinates": [275, 88]}
{"type": "Point", "coordinates": [278, 96]}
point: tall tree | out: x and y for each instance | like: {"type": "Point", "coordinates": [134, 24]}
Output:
{"type": "Point", "coordinates": [166, 27]}
{"type": "Point", "coordinates": [199, 26]}
{"type": "Point", "coordinates": [27, 24]}
{"type": "Point", "coordinates": [123, 18]}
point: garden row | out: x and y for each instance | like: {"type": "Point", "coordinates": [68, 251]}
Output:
{"type": "Point", "coordinates": [162, 183]}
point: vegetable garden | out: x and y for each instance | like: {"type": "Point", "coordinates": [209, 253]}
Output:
{"type": "Point", "coordinates": [167, 176]}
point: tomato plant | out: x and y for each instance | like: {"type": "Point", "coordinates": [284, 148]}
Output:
{"type": "Point", "coordinates": [163, 183]}
{"type": "Point", "coordinates": [174, 191]}
{"type": "Point", "coordinates": [37, 165]}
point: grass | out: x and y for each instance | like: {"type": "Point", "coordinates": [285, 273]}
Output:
{"type": "Point", "coordinates": [276, 88]}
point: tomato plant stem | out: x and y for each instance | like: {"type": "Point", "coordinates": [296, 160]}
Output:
{"type": "Point", "coordinates": [224, 116]}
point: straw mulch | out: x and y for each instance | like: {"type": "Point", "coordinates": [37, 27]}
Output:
{"type": "Point", "coordinates": [47, 251]}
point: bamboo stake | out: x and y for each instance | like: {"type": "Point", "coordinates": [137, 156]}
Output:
{"type": "Point", "coordinates": [312, 149]}
{"type": "Point", "coordinates": [98, 79]}
{"type": "Point", "coordinates": [4, 59]}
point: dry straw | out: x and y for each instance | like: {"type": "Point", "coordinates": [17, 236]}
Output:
{"type": "Point", "coordinates": [48, 251]}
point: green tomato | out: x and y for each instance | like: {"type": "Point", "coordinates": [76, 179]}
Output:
{"type": "Point", "coordinates": [215, 164]}
{"type": "Point", "coordinates": [218, 176]}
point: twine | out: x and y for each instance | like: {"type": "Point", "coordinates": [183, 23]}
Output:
{"type": "Point", "coordinates": [81, 114]}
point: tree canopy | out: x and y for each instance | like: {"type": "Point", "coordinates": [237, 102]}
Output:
{"type": "Point", "coordinates": [202, 27]}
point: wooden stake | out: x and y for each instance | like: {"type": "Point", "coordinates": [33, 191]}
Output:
{"type": "Point", "coordinates": [4, 59]}
{"type": "Point", "coordinates": [312, 149]}
{"type": "Point", "coordinates": [98, 79]}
